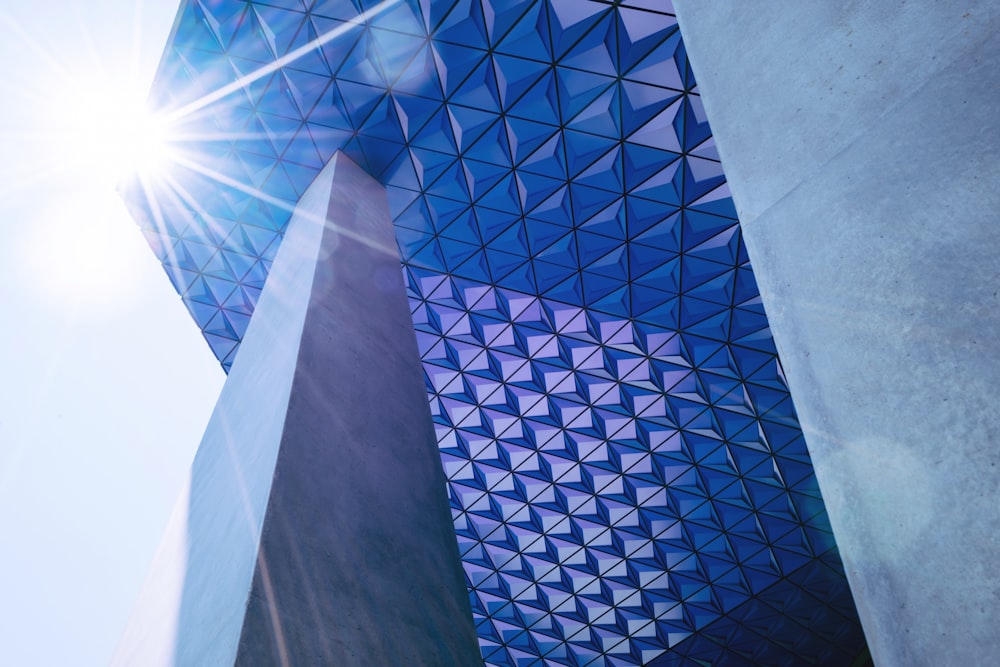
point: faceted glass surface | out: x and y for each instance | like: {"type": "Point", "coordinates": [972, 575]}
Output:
{"type": "Point", "coordinates": [628, 480]}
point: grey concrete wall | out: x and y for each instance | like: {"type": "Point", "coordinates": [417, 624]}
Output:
{"type": "Point", "coordinates": [190, 610]}
{"type": "Point", "coordinates": [315, 529]}
{"type": "Point", "coordinates": [862, 145]}
{"type": "Point", "coordinates": [358, 564]}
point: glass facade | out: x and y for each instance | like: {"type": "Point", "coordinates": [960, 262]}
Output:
{"type": "Point", "coordinates": [628, 480]}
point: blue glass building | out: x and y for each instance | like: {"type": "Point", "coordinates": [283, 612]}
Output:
{"type": "Point", "coordinates": [628, 481]}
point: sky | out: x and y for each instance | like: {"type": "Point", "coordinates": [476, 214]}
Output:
{"type": "Point", "coordinates": [105, 382]}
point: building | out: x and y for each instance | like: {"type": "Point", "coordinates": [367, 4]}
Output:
{"type": "Point", "coordinates": [627, 477]}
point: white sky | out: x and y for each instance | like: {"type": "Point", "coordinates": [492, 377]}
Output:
{"type": "Point", "coordinates": [105, 381]}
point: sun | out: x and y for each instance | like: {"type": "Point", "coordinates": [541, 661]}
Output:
{"type": "Point", "coordinates": [92, 134]}
{"type": "Point", "coordinates": [108, 132]}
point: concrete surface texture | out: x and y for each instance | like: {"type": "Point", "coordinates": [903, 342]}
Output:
{"type": "Point", "coordinates": [861, 141]}
{"type": "Point", "coordinates": [358, 562]}
{"type": "Point", "coordinates": [315, 528]}
{"type": "Point", "coordinates": [191, 608]}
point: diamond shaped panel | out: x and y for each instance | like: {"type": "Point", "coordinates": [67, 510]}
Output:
{"type": "Point", "coordinates": [627, 477]}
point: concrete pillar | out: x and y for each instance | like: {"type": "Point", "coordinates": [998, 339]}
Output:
{"type": "Point", "coordinates": [315, 529]}
{"type": "Point", "coordinates": [861, 141]}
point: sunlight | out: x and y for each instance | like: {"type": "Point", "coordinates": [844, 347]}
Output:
{"type": "Point", "coordinates": [106, 131]}
{"type": "Point", "coordinates": [93, 133]}
{"type": "Point", "coordinates": [82, 249]}
{"type": "Point", "coordinates": [82, 246]}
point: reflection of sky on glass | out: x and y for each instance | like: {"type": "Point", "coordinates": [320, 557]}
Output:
{"type": "Point", "coordinates": [105, 383]}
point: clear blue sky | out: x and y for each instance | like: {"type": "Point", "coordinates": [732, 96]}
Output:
{"type": "Point", "coordinates": [105, 382]}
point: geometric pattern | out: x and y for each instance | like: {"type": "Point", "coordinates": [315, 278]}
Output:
{"type": "Point", "coordinates": [628, 480]}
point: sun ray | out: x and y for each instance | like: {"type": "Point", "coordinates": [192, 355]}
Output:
{"type": "Point", "coordinates": [182, 197]}
{"type": "Point", "coordinates": [158, 223]}
{"type": "Point", "coordinates": [284, 60]}
{"type": "Point", "coordinates": [180, 191]}
{"type": "Point", "coordinates": [279, 203]}
{"type": "Point", "coordinates": [180, 137]}
{"type": "Point", "coordinates": [42, 54]}
{"type": "Point", "coordinates": [26, 178]}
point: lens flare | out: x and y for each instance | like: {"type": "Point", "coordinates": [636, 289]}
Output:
{"type": "Point", "coordinates": [108, 133]}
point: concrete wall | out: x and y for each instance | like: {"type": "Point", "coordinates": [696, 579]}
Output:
{"type": "Point", "coordinates": [862, 145]}
{"type": "Point", "coordinates": [191, 608]}
{"type": "Point", "coordinates": [358, 563]}
{"type": "Point", "coordinates": [315, 528]}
